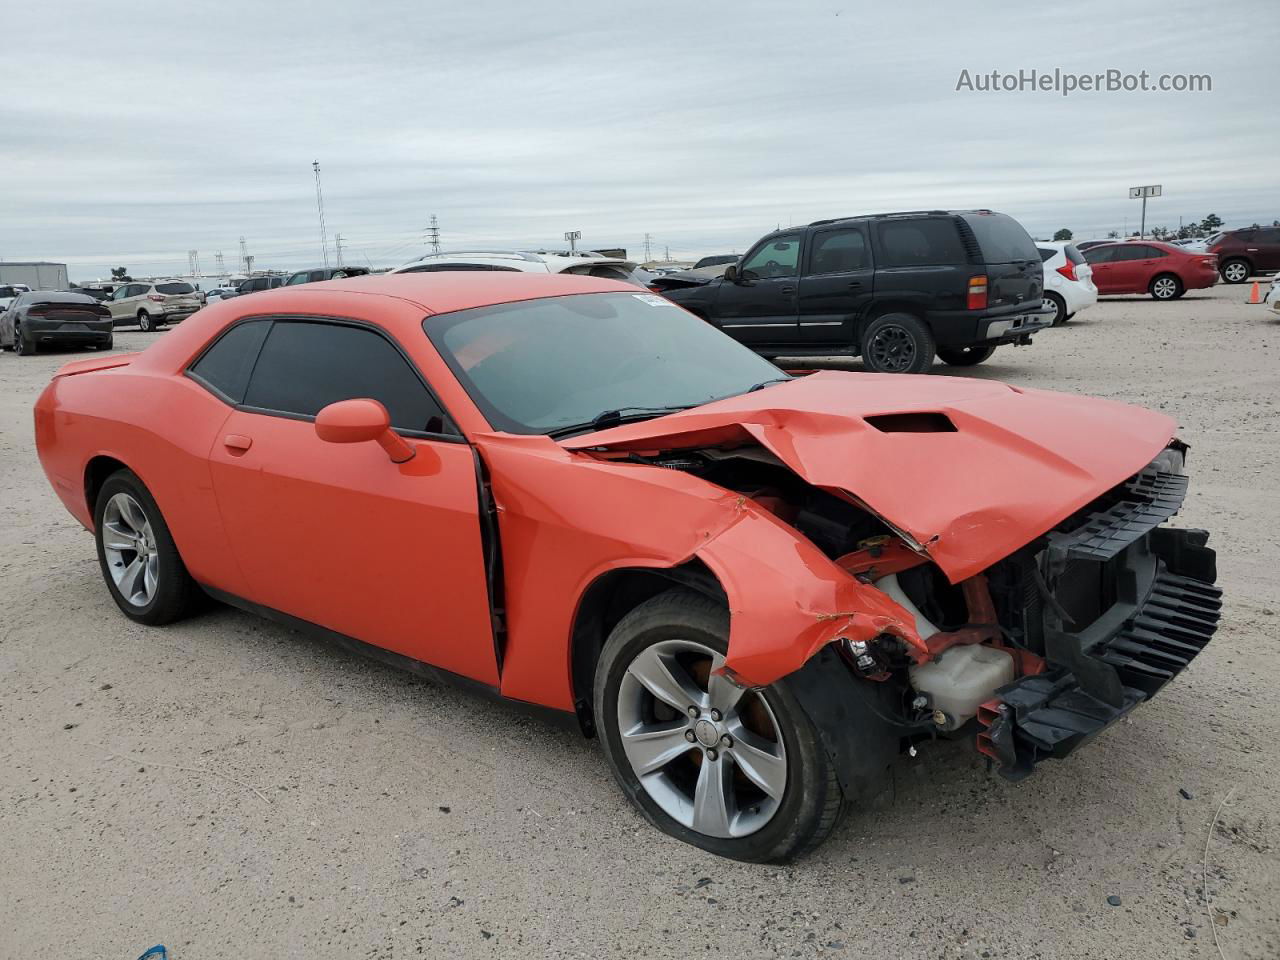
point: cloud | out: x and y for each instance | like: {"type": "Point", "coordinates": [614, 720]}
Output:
{"type": "Point", "coordinates": [703, 125]}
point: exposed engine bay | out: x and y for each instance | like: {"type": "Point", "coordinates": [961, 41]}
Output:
{"type": "Point", "coordinates": [1035, 654]}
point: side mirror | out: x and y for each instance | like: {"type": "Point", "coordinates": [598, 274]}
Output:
{"type": "Point", "coordinates": [731, 273]}
{"type": "Point", "coordinates": [355, 421]}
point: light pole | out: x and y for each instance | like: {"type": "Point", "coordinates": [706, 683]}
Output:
{"type": "Point", "coordinates": [324, 240]}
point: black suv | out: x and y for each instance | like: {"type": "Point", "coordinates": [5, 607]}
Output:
{"type": "Point", "coordinates": [895, 287]}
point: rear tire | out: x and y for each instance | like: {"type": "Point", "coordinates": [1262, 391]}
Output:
{"type": "Point", "coordinates": [145, 323]}
{"type": "Point", "coordinates": [1166, 286]}
{"type": "Point", "coordinates": [1236, 270]}
{"type": "Point", "coordinates": [1059, 305]}
{"type": "Point", "coordinates": [162, 591]}
{"type": "Point", "coordinates": [687, 633]}
{"type": "Point", "coordinates": [898, 343]}
{"type": "Point", "coordinates": [965, 356]}
{"type": "Point", "coordinates": [21, 346]}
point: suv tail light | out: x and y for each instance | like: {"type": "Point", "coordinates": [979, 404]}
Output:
{"type": "Point", "coordinates": [977, 293]}
{"type": "Point", "coordinates": [1068, 270]}
{"type": "Point", "coordinates": [156, 297]}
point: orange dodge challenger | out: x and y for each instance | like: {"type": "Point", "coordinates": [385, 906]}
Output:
{"type": "Point", "coordinates": [756, 590]}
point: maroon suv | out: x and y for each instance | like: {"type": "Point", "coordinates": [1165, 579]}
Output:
{"type": "Point", "coordinates": [1244, 253]}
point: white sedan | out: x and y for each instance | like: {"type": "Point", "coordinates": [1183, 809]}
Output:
{"type": "Point", "coordinates": [1068, 280]}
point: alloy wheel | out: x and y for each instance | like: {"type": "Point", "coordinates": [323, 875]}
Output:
{"type": "Point", "coordinates": [893, 349]}
{"type": "Point", "coordinates": [130, 547]}
{"type": "Point", "coordinates": [709, 753]}
{"type": "Point", "coordinates": [1235, 272]}
{"type": "Point", "coordinates": [1165, 288]}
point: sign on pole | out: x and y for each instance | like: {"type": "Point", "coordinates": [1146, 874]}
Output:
{"type": "Point", "coordinates": [1143, 192]}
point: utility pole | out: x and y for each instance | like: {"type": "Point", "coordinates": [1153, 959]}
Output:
{"type": "Point", "coordinates": [573, 236]}
{"type": "Point", "coordinates": [666, 253]}
{"type": "Point", "coordinates": [433, 235]}
{"type": "Point", "coordinates": [244, 256]}
{"type": "Point", "coordinates": [338, 244]}
{"type": "Point", "coordinates": [324, 240]}
{"type": "Point", "coordinates": [647, 254]}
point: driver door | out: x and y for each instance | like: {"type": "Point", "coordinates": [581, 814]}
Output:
{"type": "Point", "coordinates": [760, 306]}
{"type": "Point", "coordinates": [338, 535]}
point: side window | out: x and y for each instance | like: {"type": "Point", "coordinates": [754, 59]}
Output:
{"type": "Point", "coordinates": [1130, 251]}
{"type": "Point", "coordinates": [225, 367]}
{"type": "Point", "coordinates": [1269, 235]}
{"type": "Point", "coordinates": [304, 367]}
{"type": "Point", "coordinates": [317, 276]}
{"type": "Point", "coordinates": [775, 258]}
{"type": "Point", "coordinates": [297, 278]}
{"type": "Point", "coordinates": [839, 251]}
{"type": "Point", "coordinates": [920, 243]}
{"type": "Point", "coordinates": [1100, 254]}
{"type": "Point", "coordinates": [1046, 254]}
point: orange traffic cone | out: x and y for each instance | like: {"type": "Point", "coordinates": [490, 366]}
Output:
{"type": "Point", "coordinates": [1255, 295]}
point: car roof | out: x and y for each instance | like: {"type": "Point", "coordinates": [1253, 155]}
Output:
{"type": "Point", "coordinates": [904, 214]}
{"type": "Point", "coordinates": [59, 296]}
{"type": "Point", "coordinates": [448, 290]}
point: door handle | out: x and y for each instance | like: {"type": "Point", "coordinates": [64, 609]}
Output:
{"type": "Point", "coordinates": [237, 441]}
{"type": "Point", "coordinates": [788, 289]}
{"type": "Point", "coordinates": [854, 284]}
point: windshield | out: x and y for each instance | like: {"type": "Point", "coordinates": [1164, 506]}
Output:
{"type": "Point", "coordinates": [542, 365]}
{"type": "Point", "coordinates": [175, 288]}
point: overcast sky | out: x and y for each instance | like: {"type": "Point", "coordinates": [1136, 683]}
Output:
{"type": "Point", "coordinates": [133, 132]}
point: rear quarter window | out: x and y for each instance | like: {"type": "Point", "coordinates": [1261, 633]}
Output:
{"type": "Point", "coordinates": [919, 243]}
{"type": "Point", "coordinates": [1046, 254]}
{"type": "Point", "coordinates": [1001, 238]}
{"type": "Point", "coordinates": [225, 366]}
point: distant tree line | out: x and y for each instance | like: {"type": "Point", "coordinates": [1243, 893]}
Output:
{"type": "Point", "coordinates": [1188, 231]}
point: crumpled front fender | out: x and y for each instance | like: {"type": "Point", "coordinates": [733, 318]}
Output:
{"type": "Point", "coordinates": [787, 600]}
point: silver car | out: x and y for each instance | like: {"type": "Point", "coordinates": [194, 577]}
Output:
{"type": "Point", "coordinates": [153, 303]}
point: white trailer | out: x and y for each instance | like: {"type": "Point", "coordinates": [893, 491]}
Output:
{"type": "Point", "coordinates": [36, 274]}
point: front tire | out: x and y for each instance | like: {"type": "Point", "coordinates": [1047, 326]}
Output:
{"type": "Point", "coordinates": [965, 356]}
{"type": "Point", "coordinates": [1166, 287]}
{"type": "Point", "coordinates": [140, 562]}
{"type": "Point", "coordinates": [897, 343]}
{"type": "Point", "coordinates": [1236, 270]}
{"type": "Point", "coordinates": [741, 774]}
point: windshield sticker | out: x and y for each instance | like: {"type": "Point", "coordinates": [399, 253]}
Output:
{"type": "Point", "coordinates": [653, 301]}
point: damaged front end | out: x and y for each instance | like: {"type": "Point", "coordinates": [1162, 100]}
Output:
{"type": "Point", "coordinates": [1032, 656]}
{"type": "Point", "coordinates": [1123, 605]}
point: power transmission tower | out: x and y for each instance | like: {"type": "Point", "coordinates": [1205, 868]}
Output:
{"type": "Point", "coordinates": [647, 255]}
{"type": "Point", "coordinates": [666, 253]}
{"type": "Point", "coordinates": [433, 235]}
{"type": "Point", "coordinates": [222, 264]}
{"type": "Point", "coordinates": [337, 242]}
{"type": "Point", "coordinates": [244, 256]}
{"type": "Point", "coordinates": [324, 240]}
{"type": "Point", "coordinates": [193, 260]}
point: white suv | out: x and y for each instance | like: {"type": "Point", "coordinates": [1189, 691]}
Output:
{"type": "Point", "coordinates": [1068, 280]}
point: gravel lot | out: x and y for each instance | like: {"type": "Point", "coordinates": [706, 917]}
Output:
{"type": "Point", "coordinates": [230, 789]}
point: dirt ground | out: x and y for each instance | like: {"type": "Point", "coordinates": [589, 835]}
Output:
{"type": "Point", "coordinates": [230, 789]}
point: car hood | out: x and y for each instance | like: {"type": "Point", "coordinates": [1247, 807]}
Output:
{"type": "Point", "coordinates": [988, 469]}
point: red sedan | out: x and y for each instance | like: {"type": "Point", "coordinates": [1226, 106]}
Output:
{"type": "Point", "coordinates": [754, 589]}
{"type": "Point", "coordinates": [1148, 266]}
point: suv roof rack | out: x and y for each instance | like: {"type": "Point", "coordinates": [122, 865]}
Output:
{"type": "Point", "coordinates": [902, 213]}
